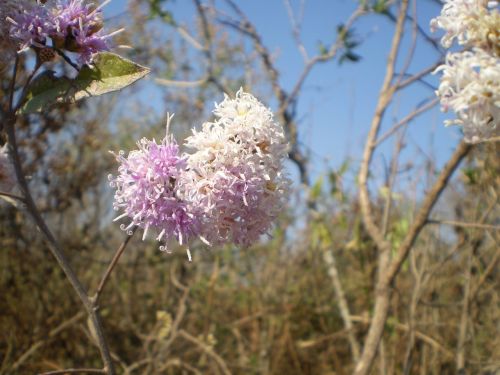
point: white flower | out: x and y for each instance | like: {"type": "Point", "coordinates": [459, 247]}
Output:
{"type": "Point", "coordinates": [7, 173]}
{"type": "Point", "coordinates": [236, 171]}
{"type": "Point", "coordinates": [475, 23]}
{"type": "Point", "coordinates": [470, 86]}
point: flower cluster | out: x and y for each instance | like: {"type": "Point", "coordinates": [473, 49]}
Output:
{"type": "Point", "coordinates": [71, 25]}
{"type": "Point", "coordinates": [7, 174]}
{"type": "Point", "coordinates": [471, 79]}
{"type": "Point", "coordinates": [474, 23]}
{"type": "Point", "coordinates": [235, 172]}
{"type": "Point", "coordinates": [228, 190]}
{"type": "Point", "coordinates": [147, 191]}
{"type": "Point", "coordinates": [470, 85]}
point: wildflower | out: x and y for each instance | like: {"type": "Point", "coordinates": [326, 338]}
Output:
{"type": "Point", "coordinates": [71, 25]}
{"type": "Point", "coordinates": [146, 190]}
{"type": "Point", "coordinates": [8, 46]}
{"type": "Point", "coordinates": [68, 15]}
{"type": "Point", "coordinates": [7, 174]}
{"type": "Point", "coordinates": [77, 26]}
{"type": "Point", "coordinates": [470, 86]}
{"type": "Point", "coordinates": [474, 23]}
{"type": "Point", "coordinates": [235, 172]}
{"type": "Point", "coordinates": [30, 26]}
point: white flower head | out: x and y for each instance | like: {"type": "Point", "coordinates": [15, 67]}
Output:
{"type": "Point", "coordinates": [474, 23]}
{"type": "Point", "coordinates": [7, 173]}
{"type": "Point", "coordinates": [236, 171]}
{"type": "Point", "coordinates": [470, 86]}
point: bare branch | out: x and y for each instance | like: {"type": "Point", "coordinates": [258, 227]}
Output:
{"type": "Point", "coordinates": [75, 371]}
{"type": "Point", "coordinates": [112, 265]}
{"type": "Point", "coordinates": [37, 345]}
{"type": "Point", "coordinates": [56, 250]}
{"type": "Point", "coordinates": [222, 364]}
{"type": "Point", "coordinates": [464, 224]}
{"type": "Point", "coordinates": [341, 301]}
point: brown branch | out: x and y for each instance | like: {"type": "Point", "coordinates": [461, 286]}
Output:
{"type": "Point", "coordinates": [382, 294]}
{"type": "Point", "coordinates": [489, 269]}
{"type": "Point", "coordinates": [420, 335]}
{"type": "Point", "coordinates": [406, 120]}
{"type": "Point", "coordinates": [464, 316]}
{"type": "Point", "coordinates": [207, 48]}
{"type": "Point", "coordinates": [12, 87]}
{"type": "Point", "coordinates": [421, 219]}
{"type": "Point", "coordinates": [37, 345]}
{"type": "Point", "coordinates": [112, 265]}
{"type": "Point", "coordinates": [463, 224]}
{"type": "Point", "coordinates": [75, 371]}
{"type": "Point", "coordinates": [418, 76]}
{"type": "Point", "coordinates": [329, 260]}
{"type": "Point", "coordinates": [207, 350]}
{"type": "Point", "coordinates": [55, 249]}
{"type": "Point", "coordinates": [12, 196]}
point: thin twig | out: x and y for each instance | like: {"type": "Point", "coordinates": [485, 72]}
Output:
{"type": "Point", "coordinates": [418, 76]}
{"type": "Point", "coordinates": [406, 120]}
{"type": "Point", "coordinates": [207, 350]}
{"type": "Point", "coordinates": [67, 59]}
{"type": "Point", "coordinates": [182, 84]}
{"type": "Point", "coordinates": [75, 371]}
{"type": "Point", "coordinates": [329, 259]}
{"type": "Point", "coordinates": [430, 200]}
{"type": "Point", "coordinates": [487, 272]}
{"type": "Point", "coordinates": [464, 316]}
{"type": "Point", "coordinates": [37, 345]}
{"type": "Point", "coordinates": [420, 335]}
{"type": "Point", "coordinates": [13, 83]}
{"type": "Point", "coordinates": [463, 224]}
{"type": "Point", "coordinates": [112, 265]}
{"type": "Point", "coordinates": [12, 196]}
{"type": "Point", "coordinates": [20, 102]}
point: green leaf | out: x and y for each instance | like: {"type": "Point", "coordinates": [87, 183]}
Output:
{"type": "Point", "coordinates": [108, 73]}
{"type": "Point", "coordinates": [380, 6]}
{"type": "Point", "coordinates": [322, 49]}
{"type": "Point", "coordinates": [315, 191]}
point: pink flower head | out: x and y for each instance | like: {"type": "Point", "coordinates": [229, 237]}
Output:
{"type": "Point", "coordinates": [72, 25]}
{"type": "Point", "coordinates": [30, 26]}
{"type": "Point", "coordinates": [146, 190]}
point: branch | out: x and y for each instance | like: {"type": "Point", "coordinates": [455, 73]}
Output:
{"type": "Point", "coordinates": [207, 350]}
{"type": "Point", "coordinates": [12, 196]}
{"type": "Point", "coordinates": [329, 259]}
{"type": "Point", "coordinates": [37, 345]}
{"type": "Point", "coordinates": [420, 335]}
{"type": "Point", "coordinates": [464, 224]}
{"type": "Point", "coordinates": [464, 316]}
{"type": "Point", "coordinates": [406, 120]}
{"type": "Point", "coordinates": [422, 216]}
{"type": "Point", "coordinates": [112, 265]}
{"type": "Point", "coordinates": [55, 249]}
{"type": "Point", "coordinates": [382, 293]}
{"type": "Point", "coordinates": [75, 371]}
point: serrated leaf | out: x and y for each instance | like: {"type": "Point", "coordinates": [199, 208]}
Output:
{"type": "Point", "coordinates": [109, 72]}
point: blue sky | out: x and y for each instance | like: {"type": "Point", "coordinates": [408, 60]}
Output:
{"type": "Point", "coordinates": [337, 103]}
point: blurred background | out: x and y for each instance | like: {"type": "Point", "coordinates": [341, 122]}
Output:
{"type": "Point", "coordinates": [273, 308]}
